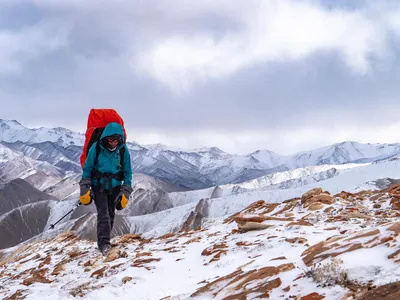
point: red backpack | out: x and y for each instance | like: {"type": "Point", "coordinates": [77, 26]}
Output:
{"type": "Point", "coordinates": [97, 121]}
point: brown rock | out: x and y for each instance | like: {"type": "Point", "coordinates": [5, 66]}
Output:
{"type": "Point", "coordinates": [394, 188]}
{"type": "Point", "coordinates": [289, 206]}
{"type": "Point", "coordinates": [58, 269]}
{"type": "Point", "coordinates": [394, 255]}
{"type": "Point", "coordinates": [315, 206]}
{"type": "Point", "coordinates": [279, 258]}
{"type": "Point", "coordinates": [329, 209]}
{"type": "Point", "coordinates": [258, 205]}
{"type": "Point", "coordinates": [245, 244]}
{"type": "Point", "coordinates": [247, 223]}
{"type": "Point", "coordinates": [99, 273]}
{"type": "Point", "coordinates": [239, 284]}
{"type": "Point", "coordinates": [312, 296]}
{"type": "Point", "coordinates": [297, 240]}
{"type": "Point", "coordinates": [286, 289]}
{"type": "Point", "coordinates": [66, 236]}
{"type": "Point", "coordinates": [310, 193]}
{"type": "Point", "coordinates": [36, 277]}
{"type": "Point", "coordinates": [299, 223]}
{"type": "Point", "coordinates": [45, 261]}
{"type": "Point", "coordinates": [167, 236]}
{"type": "Point", "coordinates": [377, 196]}
{"type": "Point", "coordinates": [308, 217]}
{"type": "Point", "coordinates": [248, 226]}
{"type": "Point", "coordinates": [325, 199]}
{"type": "Point", "coordinates": [395, 227]}
{"type": "Point", "coordinates": [37, 256]}
{"type": "Point", "coordinates": [74, 253]}
{"type": "Point", "coordinates": [18, 295]}
{"type": "Point", "coordinates": [141, 254]}
{"type": "Point", "coordinates": [389, 291]}
{"type": "Point", "coordinates": [126, 279]}
{"type": "Point", "coordinates": [362, 235]}
{"type": "Point", "coordinates": [213, 249]}
{"type": "Point", "coordinates": [145, 260]}
{"type": "Point", "coordinates": [395, 202]}
{"type": "Point", "coordinates": [89, 263]}
{"type": "Point", "coordinates": [344, 195]}
{"type": "Point", "coordinates": [357, 215]}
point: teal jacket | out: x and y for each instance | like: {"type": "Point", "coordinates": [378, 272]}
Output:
{"type": "Point", "coordinates": [108, 162]}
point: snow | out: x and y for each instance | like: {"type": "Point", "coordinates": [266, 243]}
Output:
{"type": "Point", "coordinates": [181, 198]}
{"type": "Point", "coordinates": [162, 222]}
{"type": "Point", "coordinates": [178, 274]}
{"type": "Point", "coordinates": [12, 131]}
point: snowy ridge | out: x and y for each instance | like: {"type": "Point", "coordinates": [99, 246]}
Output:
{"type": "Point", "coordinates": [12, 131]}
{"type": "Point", "coordinates": [219, 168]}
{"type": "Point", "coordinates": [279, 177]}
{"type": "Point", "coordinates": [297, 178]}
{"type": "Point", "coordinates": [190, 169]}
{"type": "Point", "coordinates": [231, 201]}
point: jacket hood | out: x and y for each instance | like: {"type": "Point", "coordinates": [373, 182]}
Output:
{"type": "Point", "coordinates": [111, 129]}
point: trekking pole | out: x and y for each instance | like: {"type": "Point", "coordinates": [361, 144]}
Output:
{"type": "Point", "coordinates": [77, 205]}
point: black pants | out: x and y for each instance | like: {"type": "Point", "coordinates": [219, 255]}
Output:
{"type": "Point", "coordinates": [105, 204]}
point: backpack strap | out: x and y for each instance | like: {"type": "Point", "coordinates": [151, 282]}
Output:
{"type": "Point", "coordinates": [121, 155]}
{"type": "Point", "coordinates": [98, 149]}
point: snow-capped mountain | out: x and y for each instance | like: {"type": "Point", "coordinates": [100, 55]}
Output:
{"type": "Point", "coordinates": [192, 169]}
{"type": "Point", "coordinates": [12, 131]}
{"type": "Point", "coordinates": [218, 167]}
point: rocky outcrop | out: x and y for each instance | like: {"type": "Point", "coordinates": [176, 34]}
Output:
{"type": "Point", "coordinates": [390, 291]}
{"type": "Point", "coordinates": [196, 217]}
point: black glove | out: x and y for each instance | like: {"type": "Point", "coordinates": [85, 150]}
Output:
{"type": "Point", "coordinates": [125, 191]}
{"type": "Point", "coordinates": [85, 197]}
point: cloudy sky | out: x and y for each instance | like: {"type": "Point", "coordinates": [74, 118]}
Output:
{"type": "Point", "coordinates": [241, 75]}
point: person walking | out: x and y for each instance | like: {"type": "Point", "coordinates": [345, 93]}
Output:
{"type": "Point", "coordinates": [107, 180]}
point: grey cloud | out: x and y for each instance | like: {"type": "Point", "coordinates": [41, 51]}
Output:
{"type": "Point", "coordinates": [94, 70]}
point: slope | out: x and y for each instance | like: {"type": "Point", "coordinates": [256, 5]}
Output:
{"type": "Point", "coordinates": [317, 246]}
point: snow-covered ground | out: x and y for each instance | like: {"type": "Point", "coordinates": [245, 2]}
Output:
{"type": "Point", "coordinates": [228, 258]}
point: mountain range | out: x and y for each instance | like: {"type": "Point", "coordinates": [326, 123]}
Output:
{"type": "Point", "coordinates": [55, 152]}
{"type": "Point", "coordinates": [39, 174]}
{"type": "Point", "coordinates": [184, 203]}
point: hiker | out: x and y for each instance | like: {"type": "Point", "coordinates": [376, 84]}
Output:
{"type": "Point", "coordinates": [103, 173]}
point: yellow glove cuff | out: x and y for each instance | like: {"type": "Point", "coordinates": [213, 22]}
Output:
{"type": "Point", "coordinates": [85, 199]}
{"type": "Point", "coordinates": [124, 201]}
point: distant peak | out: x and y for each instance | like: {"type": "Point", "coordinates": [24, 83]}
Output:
{"type": "Point", "coordinates": [16, 122]}
{"type": "Point", "coordinates": [347, 143]}
{"type": "Point", "coordinates": [264, 151]}
{"type": "Point", "coordinates": [11, 123]}
{"type": "Point", "coordinates": [215, 149]}
{"type": "Point", "coordinates": [209, 149]}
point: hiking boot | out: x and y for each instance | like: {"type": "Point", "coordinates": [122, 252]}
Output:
{"type": "Point", "coordinates": [105, 249]}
